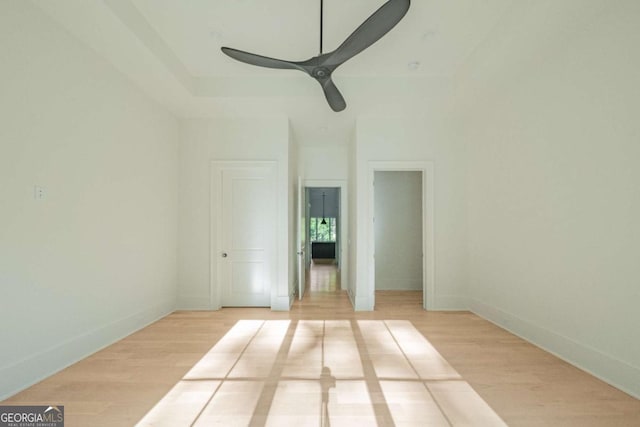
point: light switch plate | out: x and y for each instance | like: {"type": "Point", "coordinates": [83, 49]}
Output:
{"type": "Point", "coordinates": [38, 192]}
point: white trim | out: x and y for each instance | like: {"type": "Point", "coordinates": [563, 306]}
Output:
{"type": "Point", "coordinates": [428, 221]}
{"type": "Point", "coordinates": [344, 222]}
{"type": "Point", "coordinates": [189, 302]}
{"type": "Point", "coordinates": [215, 213]}
{"type": "Point", "coordinates": [215, 193]}
{"type": "Point", "coordinates": [452, 303]}
{"type": "Point", "coordinates": [361, 303]}
{"type": "Point", "coordinates": [35, 368]}
{"type": "Point", "coordinates": [351, 298]}
{"type": "Point", "coordinates": [301, 250]}
{"type": "Point", "coordinates": [281, 303]}
{"type": "Point", "coordinates": [603, 366]}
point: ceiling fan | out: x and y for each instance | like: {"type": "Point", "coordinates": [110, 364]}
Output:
{"type": "Point", "coordinates": [320, 67]}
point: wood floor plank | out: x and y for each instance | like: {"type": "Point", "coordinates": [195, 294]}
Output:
{"type": "Point", "coordinates": [202, 367]}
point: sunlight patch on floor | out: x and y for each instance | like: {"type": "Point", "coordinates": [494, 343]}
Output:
{"type": "Point", "coordinates": [321, 373]}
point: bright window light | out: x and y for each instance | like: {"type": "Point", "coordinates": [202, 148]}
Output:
{"type": "Point", "coordinates": [322, 372]}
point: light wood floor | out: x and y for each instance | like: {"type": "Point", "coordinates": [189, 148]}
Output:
{"type": "Point", "coordinates": [323, 364]}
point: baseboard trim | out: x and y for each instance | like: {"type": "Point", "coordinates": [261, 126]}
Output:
{"type": "Point", "coordinates": [292, 298]}
{"type": "Point", "coordinates": [293, 293]}
{"type": "Point", "coordinates": [281, 303]}
{"type": "Point", "coordinates": [193, 303]}
{"type": "Point", "coordinates": [451, 303]}
{"type": "Point", "coordinates": [362, 303]}
{"type": "Point", "coordinates": [615, 372]}
{"type": "Point", "coordinates": [29, 371]}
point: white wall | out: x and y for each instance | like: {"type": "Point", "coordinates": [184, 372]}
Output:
{"type": "Point", "coordinates": [410, 140]}
{"type": "Point", "coordinates": [96, 258]}
{"type": "Point", "coordinates": [331, 202]}
{"type": "Point", "coordinates": [328, 162]}
{"type": "Point", "coordinates": [554, 190]}
{"type": "Point", "coordinates": [398, 230]}
{"type": "Point", "coordinates": [227, 139]}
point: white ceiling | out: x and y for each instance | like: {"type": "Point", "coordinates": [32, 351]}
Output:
{"type": "Point", "coordinates": [439, 33]}
{"type": "Point", "coordinates": [172, 50]}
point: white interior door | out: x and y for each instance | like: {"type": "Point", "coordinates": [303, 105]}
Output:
{"type": "Point", "coordinates": [247, 235]}
{"type": "Point", "coordinates": [301, 239]}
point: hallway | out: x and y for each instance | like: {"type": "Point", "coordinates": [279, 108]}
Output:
{"type": "Point", "coordinates": [323, 277]}
{"type": "Point", "coordinates": [325, 293]}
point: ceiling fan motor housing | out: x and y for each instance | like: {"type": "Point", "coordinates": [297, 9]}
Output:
{"type": "Point", "coordinates": [321, 72]}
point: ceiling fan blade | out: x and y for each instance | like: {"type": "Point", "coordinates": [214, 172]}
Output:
{"type": "Point", "coordinates": [369, 32]}
{"type": "Point", "coordinates": [334, 97]}
{"type": "Point", "coordinates": [260, 61]}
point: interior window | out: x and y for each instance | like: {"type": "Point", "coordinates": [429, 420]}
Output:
{"type": "Point", "coordinates": [319, 232]}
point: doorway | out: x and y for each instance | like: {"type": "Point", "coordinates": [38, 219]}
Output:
{"type": "Point", "coordinates": [323, 223]}
{"type": "Point", "coordinates": [398, 230]}
{"type": "Point", "coordinates": [325, 230]}
{"type": "Point", "coordinates": [420, 252]}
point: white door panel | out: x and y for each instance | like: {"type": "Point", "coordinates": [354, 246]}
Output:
{"type": "Point", "coordinates": [247, 238]}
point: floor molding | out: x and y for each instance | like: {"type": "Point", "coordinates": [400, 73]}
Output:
{"type": "Point", "coordinates": [194, 303]}
{"type": "Point", "coordinates": [29, 371]}
{"type": "Point", "coordinates": [615, 372]}
{"type": "Point", "coordinates": [451, 303]}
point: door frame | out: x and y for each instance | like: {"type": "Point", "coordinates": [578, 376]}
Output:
{"type": "Point", "coordinates": [428, 225]}
{"type": "Point", "coordinates": [301, 238]}
{"type": "Point", "coordinates": [343, 224]}
{"type": "Point", "coordinates": [215, 225]}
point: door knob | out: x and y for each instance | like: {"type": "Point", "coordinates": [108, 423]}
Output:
{"type": "Point", "coordinates": [224, 255]}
